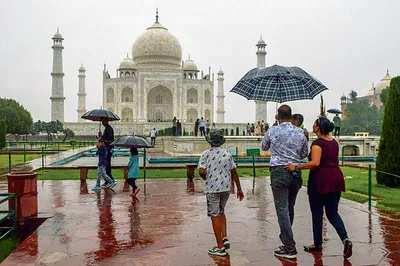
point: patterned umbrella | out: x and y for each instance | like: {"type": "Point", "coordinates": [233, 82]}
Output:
{"type": "Point", "coordinates": [278, 84]}
{"type": "Point", "coordinates": [132, 141]}
{"type": "Point", "coordinates": [100, 114]}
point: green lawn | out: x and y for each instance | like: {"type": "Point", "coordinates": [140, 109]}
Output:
{"type": "Point", "coordinates": [6, 247]}
{"type": "Point", "coordinates": [16, 159]}
{"type": "Point", "coordinates": [356, 182]}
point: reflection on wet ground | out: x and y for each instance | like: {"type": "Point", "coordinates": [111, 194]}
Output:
{"type": "Point", "coordinates": [169, 226]}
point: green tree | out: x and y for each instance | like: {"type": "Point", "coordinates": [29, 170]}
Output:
{"type": "Point", "coordinates": [353, 96]}
{"type": "Point", "coordinates": [362, 117]}
{"type": "Point", "coordinates": [384, 95]}
{"type": "Point", "coordinates": [389, 146]}
{"type": "Point", "coordinates": [3, 129]}
{"type": "Point", "coordinates": [18, 119]}
{"type": "Point", "coordinates": [68, 133]}
{"type": "Point", "coordinates": [50, 128]}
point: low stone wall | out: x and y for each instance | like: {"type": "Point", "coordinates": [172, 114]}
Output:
{"type": "Point", "coordinates": [125, 128]}
{"type": "Point", "coordinates": [186, 146]}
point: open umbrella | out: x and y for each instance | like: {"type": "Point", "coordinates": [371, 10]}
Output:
{"type": "Point", "coordinates": [334, 111]}
{"type": "Point", "coordinates": [132, 141]}
{"type": "Point", "coordinates": [100, 114]}
{"type": "Point", "coordinates": [278, 84]}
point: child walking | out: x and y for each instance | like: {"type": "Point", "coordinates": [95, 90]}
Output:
{"type": "Point", "coordinates": [101, 167]}
{"type": "Point", "coordinates": [133, 171]}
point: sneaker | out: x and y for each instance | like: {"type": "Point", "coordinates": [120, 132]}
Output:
{"type": "Point", "coordinates": [348, 248]}
{"type": "Point", "coordinates": [227, 244]}
{"type": "Point", "coordinates": [113, 184]}
{"type": "Point", "coordinates": [217, 251]}
{"type": "Point", "coordinates": [286, 253]}
{"type": "Point", "coordinates": [96, 188]}
{"type": "Point", "coordinates": [105, 184]}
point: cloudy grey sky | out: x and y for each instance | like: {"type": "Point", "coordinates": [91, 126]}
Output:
{"type": "Point", "coordinates": [347, 44]}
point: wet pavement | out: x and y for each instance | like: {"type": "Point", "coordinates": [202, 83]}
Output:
{"type": "Point", "coordinates": [169, 226]}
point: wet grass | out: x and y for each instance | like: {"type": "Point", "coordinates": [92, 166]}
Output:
{"type": "Point", "coordinates": [356, 182]}
{"type": "Point", "coordinates": [16, 159]}
{"type": "Point", "coordinates": [6, 247]}
{"type": "Point", "coordinates": [387, 199]}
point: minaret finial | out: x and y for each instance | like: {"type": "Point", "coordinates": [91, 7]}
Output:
{"type": "Point", "coordinates": [157, 14]}
{"type": "Point", "coordinates": [127, 55]}
{"type": "Point", "coordinates": [58, 29]}
{"type": "Point", "coordinates": [189, 56]}
{"type": "Point", "coordinates": [387, 71]}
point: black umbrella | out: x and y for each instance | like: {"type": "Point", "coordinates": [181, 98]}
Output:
{"type": "Point", "coordinates": [132, 141]}
{"type": "Point", "coordinates": [334, 111]}
{"type": "Point", "coordinates": [100, 114]}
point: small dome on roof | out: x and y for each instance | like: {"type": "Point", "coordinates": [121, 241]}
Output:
{"type": "Point", "coordinates": [58, 35]}
{"type": "Point", "coordinates": [189, 65]}
{"type": "Point", "coordinates": [82, 68]}
{"type": "Point", "coordinates": [382, 84]}
{"type": "Point", "coordinates": [127, 63]}
{"type": "Point", "coordinates": [261, 42]}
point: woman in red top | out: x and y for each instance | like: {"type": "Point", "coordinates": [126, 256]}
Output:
{"type": "Point", "coordinates": [325, 185]}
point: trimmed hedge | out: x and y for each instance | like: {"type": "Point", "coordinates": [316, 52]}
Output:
{"type": "Point", "coordinates": [389, 148]}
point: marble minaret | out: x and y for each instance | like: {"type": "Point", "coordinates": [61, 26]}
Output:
{"type": "Point", "coordinates": [261, 106]}
{"type": "Point", "coordinates": [57, 87]}
{"type": "Point", "coordinates": [220, 98]}
{"type": "Point", "coordinates": [81, 93]}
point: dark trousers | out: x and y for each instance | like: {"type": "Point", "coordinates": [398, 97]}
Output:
{"type": "Point", "coordinates": [132, 183]}
{"type": "Point", "coordinates": [336, 132]}
{"type": "Point", "coordinates": [174, 131]}
{"type": "Point", "coordinates": [285, 187]}
{"type": "Point", "coordinates": [196, 131]}
{"type": "Point", "coordinates": [330, 202]}
{"type": "Point", "coordinates": [153, 141]}
{"type": "Point", "coordinates": [202, 131]}
{"type": "Point", "coordinates": [108, 166]}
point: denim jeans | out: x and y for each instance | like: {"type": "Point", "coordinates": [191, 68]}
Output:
{"type": "Point", "coordinates": [108, 166]}
{"type": "Point", "coordinates": [317, 203]}
{"type": "Point", "coordinates": [101, 172]}
{"type": "Point", "coordinates": [285, 187]}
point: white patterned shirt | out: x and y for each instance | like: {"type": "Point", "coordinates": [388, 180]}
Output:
{"type": "Point", "coordinates": [218, 163]}
{"type": "Point", "coordinates": [287, 142]}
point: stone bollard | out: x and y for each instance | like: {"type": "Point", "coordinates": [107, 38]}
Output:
{"type": "Point", "coordinates": [190, 168]}
{"type": "Point", "coordinates": [24, 186]}
{"type": "Point", "coordinates": [83, 173]}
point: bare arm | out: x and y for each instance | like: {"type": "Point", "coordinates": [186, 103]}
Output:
{"type": "Point", "coordinates": [203, 173]}
{"type": "Point", "coordinates": [316, 153]}
{"type": "Point", "coordinates": [235, 178]}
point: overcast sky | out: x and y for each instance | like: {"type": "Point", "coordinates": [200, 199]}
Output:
{"type": "Point", "coordinates": [345, 44]}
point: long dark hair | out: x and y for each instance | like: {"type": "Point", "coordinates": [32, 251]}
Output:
{"type": "Point", "coordinates": [324, 124]}
{"type": "Point", "coordinates": [134, 151]}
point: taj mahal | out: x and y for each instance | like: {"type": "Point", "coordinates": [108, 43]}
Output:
{"type": "Point", "coordinates": [151, 87]}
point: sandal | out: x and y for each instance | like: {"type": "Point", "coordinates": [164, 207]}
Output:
{"type": "Point", "coordinates": [312, 248]}
{"type": "Point", "coordinates": [348, 248]}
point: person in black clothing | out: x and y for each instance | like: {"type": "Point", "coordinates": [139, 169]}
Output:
{"type": "Point", "coordinates": [108, 136]}
{"type": "Point", "coordinates": [196, 127]}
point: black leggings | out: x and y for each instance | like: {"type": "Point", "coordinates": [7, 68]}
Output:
{"type": "Point", "coordinates": [330, 202]}
{"type": "Point", "coordinates": [132, 183]}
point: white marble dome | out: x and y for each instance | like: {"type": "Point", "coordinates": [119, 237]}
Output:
{"type": "Point", "coordinates": [127, 63]}
{"type": "Point", "coordinates": [189, 65]}
{"type": "Point", "coordinates": [382, 84]}
{"type": "Point", "coordinates": [157, 48]}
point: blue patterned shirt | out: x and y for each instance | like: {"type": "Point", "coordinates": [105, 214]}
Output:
{"type": "Point", "coordinates": [287, 142]}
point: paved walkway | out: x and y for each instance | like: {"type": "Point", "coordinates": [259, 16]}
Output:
{"type": "Point", "coordinates": [169, 226]}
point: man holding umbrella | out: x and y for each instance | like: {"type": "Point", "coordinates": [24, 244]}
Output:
{"type": "Point", "coordinates": [288, 146]}
{"type": "Point", "coordinates": [337, 122]}
{"type": "Point", "coordinates": [108, 136]}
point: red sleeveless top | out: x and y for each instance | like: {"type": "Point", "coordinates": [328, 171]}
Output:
{"type": "Point", "coordinates": [328, 177]}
